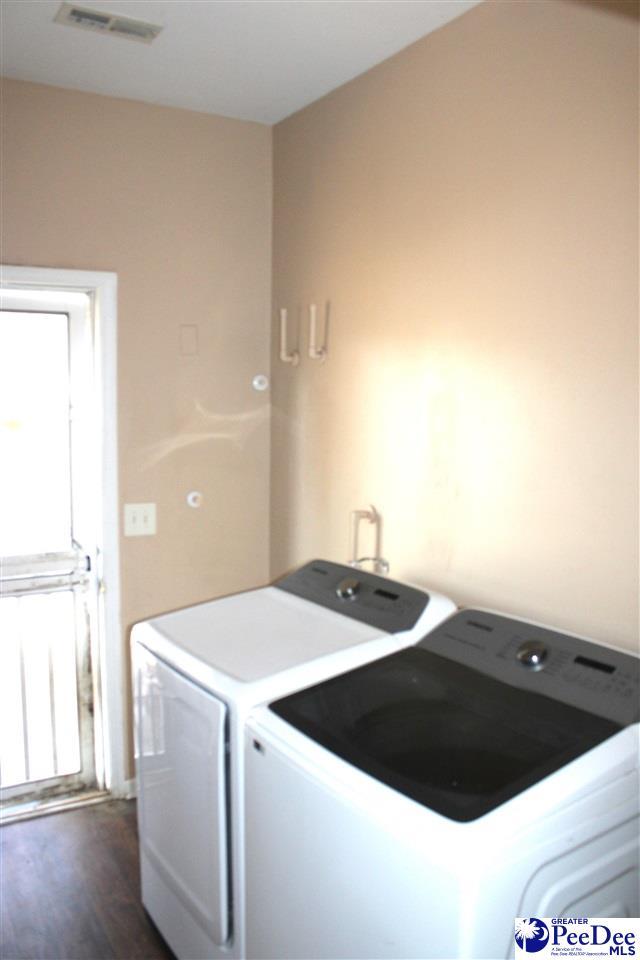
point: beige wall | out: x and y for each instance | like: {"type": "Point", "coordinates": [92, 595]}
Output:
{"type": "Point", "coordinates": [178, 204]}
{"type": "Point", "coordinates": [469, 208]}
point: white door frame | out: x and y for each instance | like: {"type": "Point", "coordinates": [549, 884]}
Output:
{"type": "Point", "coordinates": [102, 288]}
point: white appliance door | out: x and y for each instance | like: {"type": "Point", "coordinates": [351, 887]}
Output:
{"type": "Point", "coordinates": [180, 747]}
{"type": "Point", "coordinates": [326, 876]}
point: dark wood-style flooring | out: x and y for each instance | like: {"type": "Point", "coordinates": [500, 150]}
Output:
{"type": "Point", "coordinates": [70, 888]}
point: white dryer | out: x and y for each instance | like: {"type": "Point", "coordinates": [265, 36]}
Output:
{"type": "Point", "coordinates": [415, 806]}
{"type": "Point", "coordinates": [197, 673]}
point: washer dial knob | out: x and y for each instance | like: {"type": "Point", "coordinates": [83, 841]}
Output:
{"type": "Point", "coordinates": [348, 588]}
{"type": "Point", "coordinates": [533, 654]}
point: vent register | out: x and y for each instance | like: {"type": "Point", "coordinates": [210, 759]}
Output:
{"type": "Point", "coordinates": [99, 21]}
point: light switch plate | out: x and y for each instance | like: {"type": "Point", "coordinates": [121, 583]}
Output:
{"type": "Point", "coordinates": [139, 519]}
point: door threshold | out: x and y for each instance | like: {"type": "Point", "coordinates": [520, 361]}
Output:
{"type": "Point", "coordinates": [11, 813]}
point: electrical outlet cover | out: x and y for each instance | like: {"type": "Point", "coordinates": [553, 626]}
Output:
{"type": "Point", "coordinates": [139, 519]}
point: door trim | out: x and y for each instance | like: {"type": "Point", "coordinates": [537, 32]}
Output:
{"type": "Point", "coordinates": [102, 288]}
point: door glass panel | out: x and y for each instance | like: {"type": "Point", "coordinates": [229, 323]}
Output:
{"type": "Point", "coordinates": [35, 503]}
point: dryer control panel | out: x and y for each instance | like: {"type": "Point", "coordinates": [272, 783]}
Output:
{"type": "Point", "coordinates": [363, 596]}
{"type": "Point", "coordinates": [579, 672]}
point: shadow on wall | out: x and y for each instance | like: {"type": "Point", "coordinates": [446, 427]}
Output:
{"type": "Point", "coordinates": [619, 8]}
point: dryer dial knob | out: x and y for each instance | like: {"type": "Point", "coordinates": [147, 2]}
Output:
{"type": "Point", "coordinates": [348, 588]}
{"type": "Point", "coordinates": [533, 654]}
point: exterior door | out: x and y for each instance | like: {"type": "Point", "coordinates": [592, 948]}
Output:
{"type": "Point", "coordinates": [48, 522]}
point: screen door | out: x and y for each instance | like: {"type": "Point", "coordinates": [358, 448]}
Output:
{"type": "Point", "coordinates": [47, 536]}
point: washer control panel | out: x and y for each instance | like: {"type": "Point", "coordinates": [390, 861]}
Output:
{"type": "Point", "coordinates": [580, 672]}
{"type": "Point", "coordinates": [363, 596]}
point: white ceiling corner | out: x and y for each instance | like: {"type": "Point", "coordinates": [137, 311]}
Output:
{"type": "Point", "coordinates": [249, 59]}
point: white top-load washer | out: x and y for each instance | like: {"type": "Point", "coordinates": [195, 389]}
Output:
{"type": "Point", "coordinates": [197, 673]}
{"type": "Point", "coordinates": [415, 806]}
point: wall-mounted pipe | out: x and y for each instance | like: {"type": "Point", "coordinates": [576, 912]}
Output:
{"type": "Point", "coordinates": [286, 355]}
{"type": "Point", "coordinates": [380, 565]}
{"type": "Point", "coordinates": [317, 352]}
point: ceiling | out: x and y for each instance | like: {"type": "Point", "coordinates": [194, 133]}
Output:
{"type": "Point", "coordinates": [250, 59]}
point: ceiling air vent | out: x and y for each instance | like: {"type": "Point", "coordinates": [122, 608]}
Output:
{"type": "Point", "coordinates": [101, 22]}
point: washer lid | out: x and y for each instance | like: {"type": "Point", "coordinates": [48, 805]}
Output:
{"type": "Point", "coordinates": [450, 736]}
{"type": "Point", "coordinates": [254, 635]}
